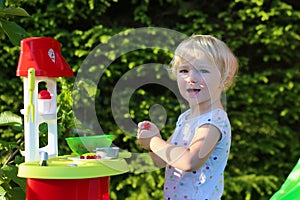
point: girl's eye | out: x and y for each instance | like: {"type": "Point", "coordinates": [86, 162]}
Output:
{"type": "Point", "coordinates": [183, 71]}
{"type": "Point", "coordinates": [203, 71]}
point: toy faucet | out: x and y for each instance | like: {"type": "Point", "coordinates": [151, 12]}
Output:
{"type": "Point", "coordinates": [40, 63]}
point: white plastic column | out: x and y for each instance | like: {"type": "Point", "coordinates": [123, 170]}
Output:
{"type": "Point", "coordinates": [31, 128]}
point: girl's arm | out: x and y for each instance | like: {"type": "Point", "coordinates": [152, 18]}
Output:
{"type": "Point", "coordinates": [187, 159]}
{"type": "Point", "coordinates": [147, 130]}
{"type": "Point", "coordinates": [158, 160]}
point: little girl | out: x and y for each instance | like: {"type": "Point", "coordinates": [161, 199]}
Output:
{"type": "Point", "coordinates": [196, 154]}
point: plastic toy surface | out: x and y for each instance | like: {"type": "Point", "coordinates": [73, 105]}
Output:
{"type": "Point", "coordinates": [290, 190]}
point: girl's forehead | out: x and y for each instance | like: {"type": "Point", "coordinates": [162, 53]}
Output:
{"type": "Point", "coordinates": [195, 63]}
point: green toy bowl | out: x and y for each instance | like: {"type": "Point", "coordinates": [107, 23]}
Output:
{"type": "Point", "coordinates": [81, 145]}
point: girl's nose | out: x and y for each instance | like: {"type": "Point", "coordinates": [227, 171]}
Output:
{"type": "Point", "coordinates": [193, 76]}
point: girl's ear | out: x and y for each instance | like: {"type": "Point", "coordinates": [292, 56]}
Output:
{"type": "Point", "coordinates": [222, 84]}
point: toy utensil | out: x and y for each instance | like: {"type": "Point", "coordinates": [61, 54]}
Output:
{"type": "Point", "coordinates": [31, 82]}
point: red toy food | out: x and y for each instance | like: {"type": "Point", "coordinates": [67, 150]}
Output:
{"type": "Point", "coordinates": [147, 125]}
{"type": "Point", "coordinates": [90, 156]}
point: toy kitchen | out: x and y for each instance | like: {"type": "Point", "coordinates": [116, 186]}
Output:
{"type": "Point", "coordinates": [85, 174]}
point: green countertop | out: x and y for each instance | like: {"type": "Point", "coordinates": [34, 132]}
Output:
{"type": "Point", "coordinates": [72, 167]}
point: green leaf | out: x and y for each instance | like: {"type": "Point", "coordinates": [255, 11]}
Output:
{"type": "Point", "coordinates": [2, 192]}
{"type": "Point", "coordinates": [18, 193]}
{"type": "Point", "coordinates": [11, 172]}
{"type": "Point", "coordinates": [8, 118]}
{"type": "Point", "coordinates": [14, 32]}
{"type": "Point", "coordinates": [2, 4]}
{"type": "Point", "coordinates": [13, 11]}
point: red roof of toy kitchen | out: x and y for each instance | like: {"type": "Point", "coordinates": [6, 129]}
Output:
{"type": "Point", "coordinates": [43, 54]}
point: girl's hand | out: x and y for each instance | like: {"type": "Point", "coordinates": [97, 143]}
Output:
{"type": "Point", "coordinates": [146, 131]}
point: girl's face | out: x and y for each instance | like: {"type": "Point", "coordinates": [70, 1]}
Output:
{"type": "Point", "coordinates": [199, 81]}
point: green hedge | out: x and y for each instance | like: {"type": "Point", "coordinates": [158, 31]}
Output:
{"type": "Point", "coordinates": [262, 106]}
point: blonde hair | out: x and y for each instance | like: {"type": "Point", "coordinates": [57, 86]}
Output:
{"type": "Point", "coordinates": [216, 50]}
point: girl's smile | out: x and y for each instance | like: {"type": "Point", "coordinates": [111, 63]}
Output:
{"type": "Point", "coordinates": [193, 92]}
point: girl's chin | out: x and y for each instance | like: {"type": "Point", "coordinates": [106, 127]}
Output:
{"type": "Point", "coordinates": [199, 101]}
{"type": "Point", "coordinates": [195, 102]}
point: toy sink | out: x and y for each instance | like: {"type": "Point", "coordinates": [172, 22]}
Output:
{"type": "Point", "coordinates": [81, 145]}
